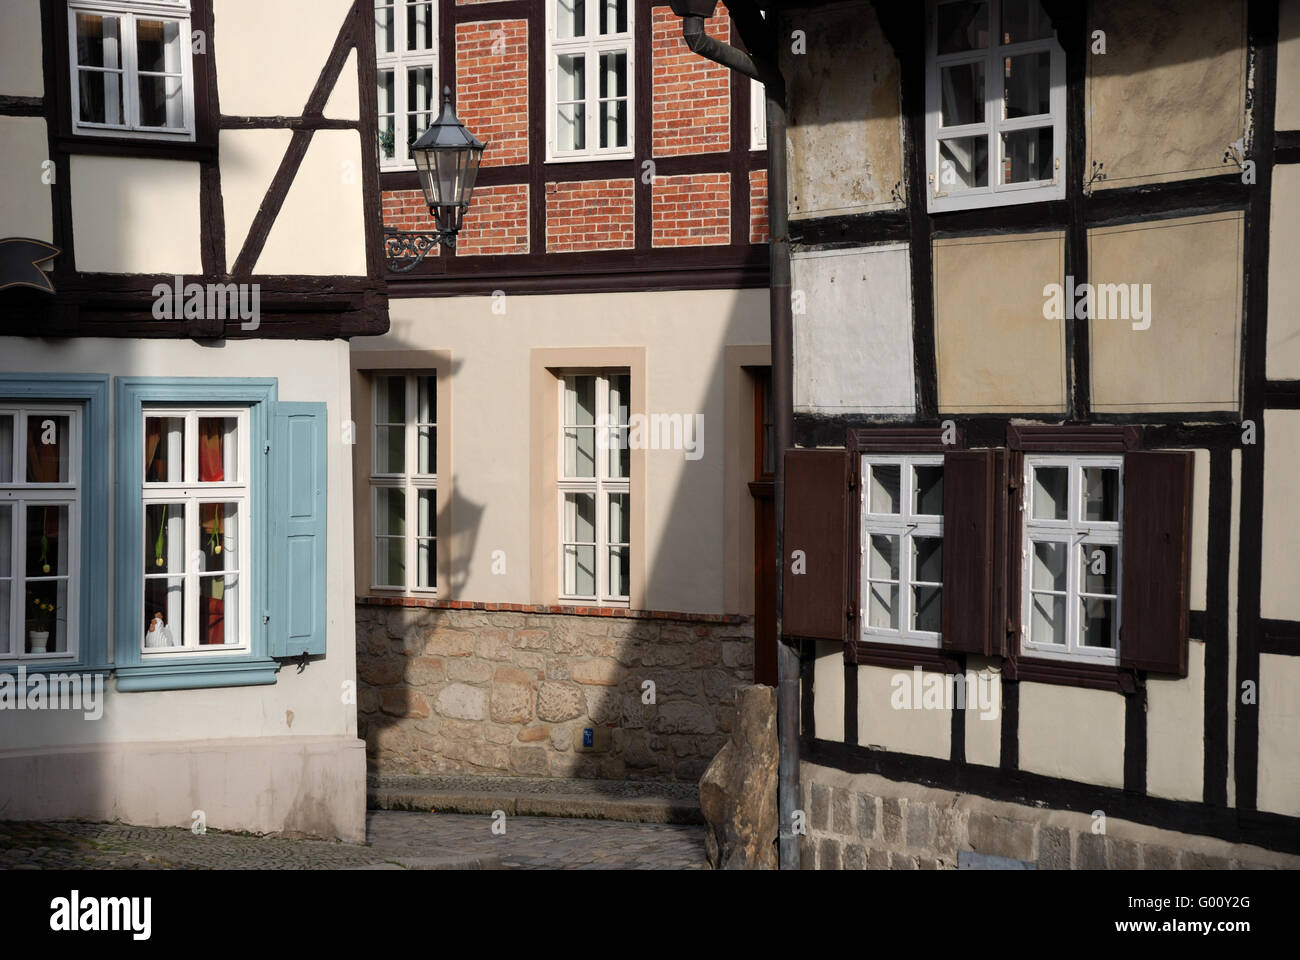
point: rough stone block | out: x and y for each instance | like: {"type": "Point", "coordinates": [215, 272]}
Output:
{"type": "Point", "coordinates": [866, 804]}
{"type": "Point", "coordinates": [828, 855]}
{"type": "Point", "coordinates": [855, 857]}
{"type": "Point", "coordinates": [820, 807]}
{"type": "Point", "coordinates": [462, 702]}
{"type": "Point", "coordinates": [891, 809]}
{"type": "Point", "coordinates": [841, 811]}
{"type": "Point", "coordinates": [558, 701]}
{"type": "Point", "coordinates": [1053, 848]}
{"type": "Point", "coordinates": [1090, 851]}
{"type": "Point", "coordinates": [1000, 836]}
{"type": "Point", "coordinates": [919, 825]}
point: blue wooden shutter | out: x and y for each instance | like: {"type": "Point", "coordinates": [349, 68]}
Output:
{"type": "Point", "coordinates": [298, 515]}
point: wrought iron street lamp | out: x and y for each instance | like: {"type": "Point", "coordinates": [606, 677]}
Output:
{"type": "Point", "coordinates": [446, 159]}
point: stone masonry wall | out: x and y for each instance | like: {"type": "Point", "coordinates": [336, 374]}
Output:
{"type": "Point", "coordinates": [865, 822]}
{"type": "Point", "coordinates": [493, 691]}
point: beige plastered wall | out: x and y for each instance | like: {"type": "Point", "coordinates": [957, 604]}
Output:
{"type": "Point", "coordinates": [503, 353]}
{"type": "Point", "coordinates": [845, 131]}
{"type": "Point", "coordinates": [1168, 97]}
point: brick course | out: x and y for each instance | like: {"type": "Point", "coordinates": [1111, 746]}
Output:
{"type": "Point", "coordinates": [758, 206]}
{"type": "Point", "coordinates": [691, 211]}
{"type": "Point", "coordinates": [692, 95]}
{"type": "Point", "coordinates": [590, 215]}
{"type": "Point", "coordinates": [492, 87]}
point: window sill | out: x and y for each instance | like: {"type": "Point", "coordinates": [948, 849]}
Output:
{"type": "Point", "coordinates": [137, 147]}
{"type": "Point", "coordinates": [900, 656]}
{"type": "Point", "coordinates": [1090, 675]}
{"type": "Point", "coordinates": [190, 676]}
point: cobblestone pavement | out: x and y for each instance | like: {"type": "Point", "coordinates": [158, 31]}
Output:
{"type": "Point", "coordinates": [394, 840]}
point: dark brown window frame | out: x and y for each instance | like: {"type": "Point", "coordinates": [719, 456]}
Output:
{"type": "Point", "coordinates": [889, 440]}
{"type": "Point", "coordinates": [68, 141]}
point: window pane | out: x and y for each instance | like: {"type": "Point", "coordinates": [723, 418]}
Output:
{"type": "Point", "coordinates": [387, 111]}
{"type": "Point", "coordinates": [419, 104]}
{"type": "Point", "coordinates": [100, 97]}
{"type": "Point", "coordinates": [1027, 155]}
{"type": "Point", "coordinates": [419, 25]}
{"type": "Point", "coordinates": [1047, 619]}
{"type": "Point", "coordinates": [883, 605]}
{"type": "Point", "coordinates": [46, 617]}
{"type": "Point", "coordinates": [164, 449]}
{"type": "Point", "coordinates": [384, 30]}
{"type": "Point", "coordinates": [48, 448]}
{"type": "Point", "coordinates": [580, 451]}
{"type": "Point", "coordinates": [570, 98]}
{"type": "Point", "coordinates": [1098, 563]}
{"type": "Point", "coordinates": [162, 102]}
{"type": "Point", "coordinates": [218, 449]}
{"type": "Point", "coordinates": [426, 529]}
{"type": "Point", "coordinates": [158, 46]}
{"type": "Point", "coordinates": [579, 518]}
{"type": "Point", "coordinates": [98, 41]}
{"type": "Point", "coordinates": [219, 609]}
{"type": "Point", "coordinates": [927, 608]}
{"type": "Point", "coordinates": [1024, 20]}
{"type": "Point", "coordinates": [426, 399]}
{"type": "Point", "coordinates": [1097, 618]}
{"type": "Point", "coordinates": [6, 451]}
{"type": "Point", "coordinates": [963, 163]}
{"type": "Point", "coordinates": [580, 426]}
{"type": "Point", "coordinates": [219, 537]}
{"type": "Point", "coordinates": [571, 18]}
{"type": "Point", "coordinates": [927, 555]}
{"type": "Point", "coordinates": [579, 544]}
{"type": "Point", "coordinates": [47, 540]}
{"type": "Point", "coordinates": [390, 448]}
{"type": "Point", "coordinates": [390, 518]}
{"type": "Point", "coordinates": [961, 93]}
{"type": "Point", "coordinates": [883, 559]}
{"type": "Point", "coordinates": [391, 405]}
{"type": "Point", "coordinates": [619, 578]}
{"type": "Point", "coordinates": [620, 523]}
{"type": "Point", "coordinates": [164, 605]}
{"type": "Point", "coordinates": [929, 491]}
{"type": "Point", "coordinates": [1051, 493]}
{"type": "Point", "coordinates": [571, 126]}
{"type": "Point", "coordinates": [164, 538]}
{"type": "Point", "coordinates": [613, 112]}
{"type": "Point", "coordinates": [1048, 566]}
{"type": "Point", "coordinates": [6, 573]}
{"type": "Point", "coordinates": [1101, 494]}
{"type": "Point", "coordinates": [620, 456]}
{"type": "Point", "coordinates": [580, 570]}
{"type": "Point", "coordinates": [963, 26]}
{"type": "Point", "coordinates": [620, 534]}
{"type": "Point", "coordinates": [1027, 82]}
{"type": "Point", "coordinates": [613, 16]}
{"type": "Point", "coordinates": [884, 493]}
{"type": "Point", "coordinates": [390, 561]}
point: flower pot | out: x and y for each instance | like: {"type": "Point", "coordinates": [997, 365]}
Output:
{"type": "Point", "coordinates": [38, 639]}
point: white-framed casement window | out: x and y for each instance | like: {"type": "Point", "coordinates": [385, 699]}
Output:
{"type": "Point", "coordinates": [197, 530]}
{"type": "Point", "coordinates": [595, 487]}
{"type": "Point", "coordinates": [1071, 557]}
{"type": "Point", "coordinates": [132, 68]}
{"type": "Point", "coordinates": [757, 116]}
{"type": "Point", "coordinates": [404, 484]}
{"type": "Point", "coordinates": [589, 107]}
{"type": "Point", "coordinates": [40, 531]}
{"type": "Point", "coordinates": [406, 54]}
{"type": "Point", "coordinates": [995, 105]}
{"type": "Point", "coordinates": [902, 549]}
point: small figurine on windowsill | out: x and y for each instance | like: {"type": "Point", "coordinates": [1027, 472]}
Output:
{"type": "Point", "coordinates": [158, 634]}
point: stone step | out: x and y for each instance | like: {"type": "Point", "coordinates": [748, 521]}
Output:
{"type": "Point", "coordinates": [629, 809]}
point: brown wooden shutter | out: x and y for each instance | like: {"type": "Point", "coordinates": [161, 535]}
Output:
{"type": "Point", "coordinates": [974, 551]}
{"type": "Point", "coordinates": [816, 603]}
{"type": "Point", "coordinates": [1156, 539]}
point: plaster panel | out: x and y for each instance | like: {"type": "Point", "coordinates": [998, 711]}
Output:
{"type": "Point", "coordinates": [1279, 735]}
{"type": "Point", "coordinates": [881, 725]}
{"type": "Point", "coordinates": [249, 159]}
{"type": "Point", "coordinates": [1175, 731]}
{"type": "Point", "coordinates": [993, 347]}
{"type": "Point", "coordinates": [845, 130]}
{"type": "Point", "coordinates": [1073, 733]}
{"type": "Point", "coordinates": [1278, 597]}
{"type": "Point", "coordinates": [1287, 115]}
{"type": "Point", "coordinates": [1169, 94]}
{"type": "Point", "coordinates": [1189, 355]}
{"type": "Point", "coordinates": [1283, 345]}
{"type": "Point", "coordinates": [321, 227]}
{"type": "Point", "coordinates": [853, 342]}
{"type": "Point", "coordinates": [828, 691]}
{"type": "Point", "coordinates": [25, 200]}
{"type": "Point", "coordinates": [20, 50]}
{"type": "Point", "coordinates": [135, 215]}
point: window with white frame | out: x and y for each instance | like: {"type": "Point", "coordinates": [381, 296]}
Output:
{"type": "Point", "coordinates": [595, 487]}
{"type": "Point", "coordinates": [196, 532]}
{"type": "Point", "coordinates": [1071, 557]}
{"type": "Point", "coordinates": [132, 68]}
{"type": "Point", "coordinates": [757, 116]}
{"type": "Point", "coordinates": [588, 79]}
{"type": "Point", "coordinates": [406, 53]}
{"type": "Point", "coordinates": [995, 104]}
{"type": "Point", "coordinates": [40, 498]}
{"type": "Point", "coordinates": [404, 484]}
{"type": "Point", "coordinates": [902, 549]}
